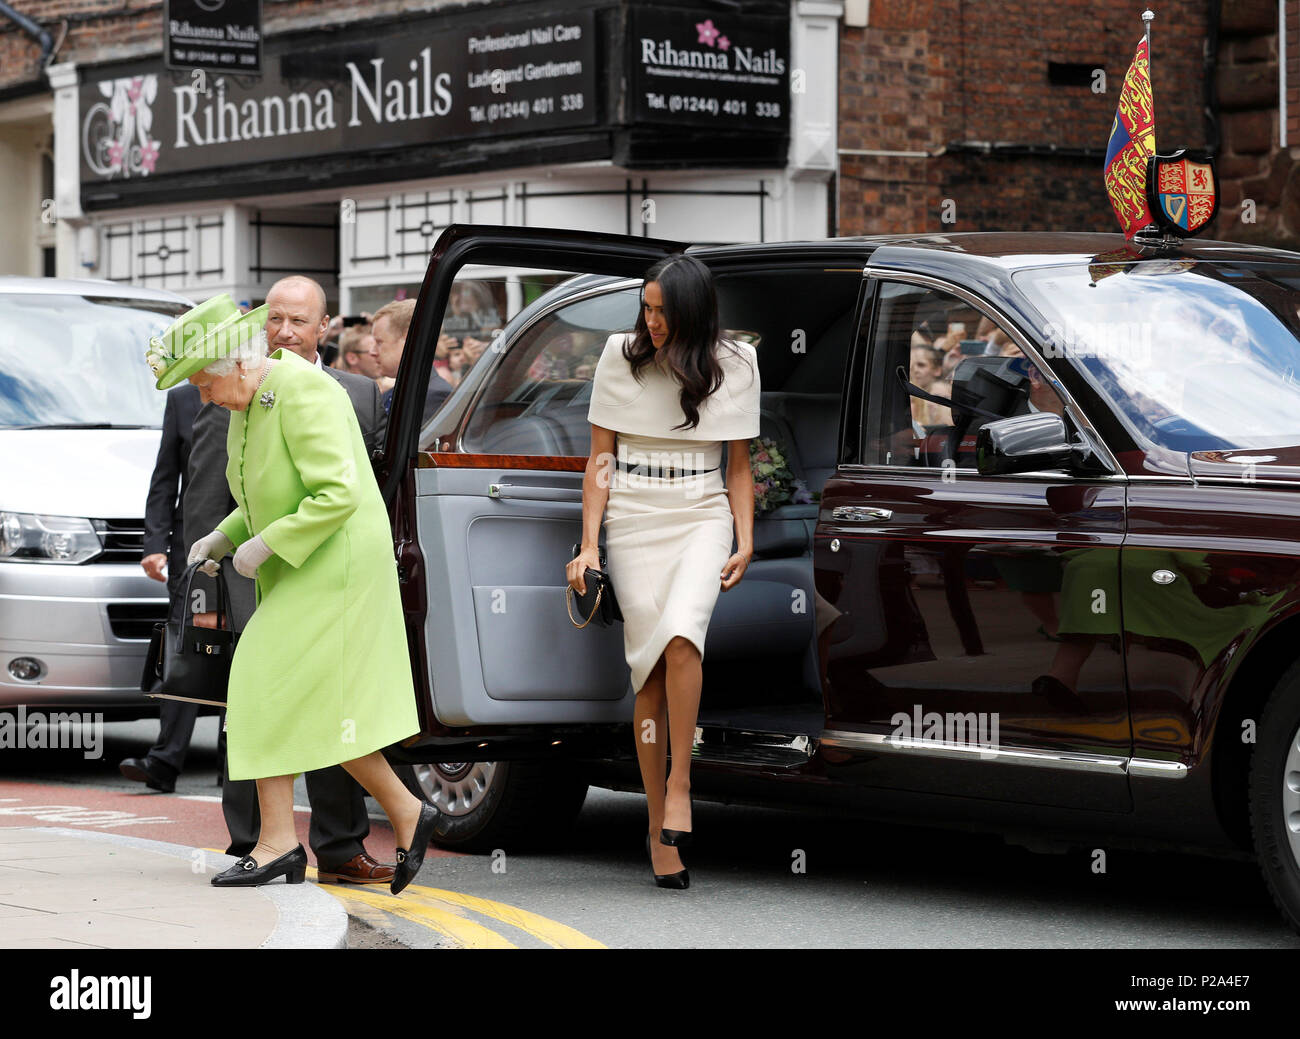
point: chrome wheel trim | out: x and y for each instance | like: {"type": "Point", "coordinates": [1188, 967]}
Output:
{"type": "Point", "coordinates": [456, 788]}
{"type": "Point", "coordinates": [1291, 795]}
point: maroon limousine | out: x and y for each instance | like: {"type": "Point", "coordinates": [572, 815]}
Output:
{"type": "Point", "coordinates": [1031, 559]}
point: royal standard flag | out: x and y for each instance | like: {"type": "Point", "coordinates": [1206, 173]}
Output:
{"type": "Point", "coordinates": [1132, 142]}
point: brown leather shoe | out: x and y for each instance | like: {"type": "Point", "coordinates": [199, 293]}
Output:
{"type": "Point", "coordinates": [360, 869]}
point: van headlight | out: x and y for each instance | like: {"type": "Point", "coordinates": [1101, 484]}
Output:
{"type": "Point", "coordinates": [27, 538]}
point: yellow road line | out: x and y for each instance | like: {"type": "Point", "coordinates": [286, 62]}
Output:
{"type": "Point", "coordinates": [465, 933]}
{"type": "Point", "coordinates": [556, 935]}
{"type": "Point", "coordinates": [376, 918]}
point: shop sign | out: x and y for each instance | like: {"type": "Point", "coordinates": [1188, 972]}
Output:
{"type": "Point", "coordinates": [338, 96]}
{"type": "Point", "coordinates": [223, 35]}
{"type": "Point", "coordinates": [723, 70]}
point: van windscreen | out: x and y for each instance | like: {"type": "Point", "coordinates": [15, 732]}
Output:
{"type": "Point", "coordinates": [68, 360]}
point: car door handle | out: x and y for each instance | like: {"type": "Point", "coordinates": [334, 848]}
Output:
{"type": "Point", "coordinates": [861, 513]}
{"type": "Point", "coordinates": [527, 493]}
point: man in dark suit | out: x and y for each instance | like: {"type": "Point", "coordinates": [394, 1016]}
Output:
{"type": "Point", "coordinates": [389, 327]}
{"type": "Point", "coordinates": [296, 319]}
{"type": "Point", "coordinates": [165, 547]}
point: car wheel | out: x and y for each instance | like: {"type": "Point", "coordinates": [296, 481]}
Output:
{"type": "Point", "coordinates": [1275, 796]}
{"type": "Point", "coordinates": [490, 805]}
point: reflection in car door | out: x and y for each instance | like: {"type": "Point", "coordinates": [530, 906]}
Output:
{"type": "Point", "coordinates": [978, 650]}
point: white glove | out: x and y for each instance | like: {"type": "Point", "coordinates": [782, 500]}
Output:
{"type": "Point", "coordinates": [252, 554]}
{"type": "Point", "coordinates": [210, 547]}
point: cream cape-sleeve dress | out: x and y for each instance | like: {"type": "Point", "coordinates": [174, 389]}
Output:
{"type": "Point", "coordinates": [668, 538]}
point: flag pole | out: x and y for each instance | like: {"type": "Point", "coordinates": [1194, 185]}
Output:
{"type": "Point", "coordinates": [1148, 16]}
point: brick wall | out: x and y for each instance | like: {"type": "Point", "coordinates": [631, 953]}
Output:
{"type": "Point", "coordinates": [1258, 200]}
{"type": "Point", "coordinates": [950, 76]}
{"type": "Point", "coordinates": [1293, 72]}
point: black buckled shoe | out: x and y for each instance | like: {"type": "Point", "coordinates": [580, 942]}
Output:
{"type": "Point", "coordinates": [142, 771]}
{"type": "Point", "coordinates": [247, 873]}
{"type": "Point", "coordinates": [410, 861]}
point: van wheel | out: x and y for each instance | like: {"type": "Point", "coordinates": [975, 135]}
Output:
{"type": "Point", "coordinates": [1275, 796]}
{"type": "Point", "coordinates": [490, 805]}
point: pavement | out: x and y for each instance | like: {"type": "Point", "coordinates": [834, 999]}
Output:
{"type": "Point", "coordinates": [81, 865]}
{"type": "Point", "coordinates": [66, 888]}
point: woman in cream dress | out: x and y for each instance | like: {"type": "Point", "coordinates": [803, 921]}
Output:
{"type": "Point", "coordinates": [665, 400]}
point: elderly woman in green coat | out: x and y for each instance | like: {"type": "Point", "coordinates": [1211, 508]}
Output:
{"type": "Point", "coordinates": [321, 675]}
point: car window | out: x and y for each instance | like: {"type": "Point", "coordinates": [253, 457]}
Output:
{"type": "Point", "coordinates": [929, 348]}
{"type": "Point", "coordinates": [535, 402]}
{"type": "Point", "coordinates": [78, 360]}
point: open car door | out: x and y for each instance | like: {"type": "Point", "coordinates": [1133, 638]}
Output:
{"type": "Point", "coordinates": [486, 494]}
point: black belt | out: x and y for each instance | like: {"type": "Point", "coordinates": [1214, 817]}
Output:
{"type": "Point", "coordinates": [663, 472]}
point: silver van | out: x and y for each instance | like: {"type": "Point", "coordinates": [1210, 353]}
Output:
{"type": "Point", "coordinates": [80, 424]}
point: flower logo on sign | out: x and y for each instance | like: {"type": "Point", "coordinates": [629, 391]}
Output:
{"type": "Point", "coordinates": [148, 157]}
{"type": "Point", "coordinates": [707, 30]}
{"type": "Point", "coordinates": [115, 134]}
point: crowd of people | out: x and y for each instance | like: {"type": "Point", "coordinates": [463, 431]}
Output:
{"type": "Point", "coordinates": [350, 344]}
{"type": "Point", "coordinates": [936, 355]}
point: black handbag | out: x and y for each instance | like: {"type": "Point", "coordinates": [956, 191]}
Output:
{"type": "Point", "coordinates": [187, 662]}
{"type": "Point", "coordinates": [598, 604]}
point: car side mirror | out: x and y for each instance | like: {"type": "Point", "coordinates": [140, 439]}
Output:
{"type": "Point", "coordinates": [1025, 444]}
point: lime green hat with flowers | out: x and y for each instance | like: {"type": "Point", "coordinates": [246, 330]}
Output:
{"type": "Point", "coordinates": [200, 336]}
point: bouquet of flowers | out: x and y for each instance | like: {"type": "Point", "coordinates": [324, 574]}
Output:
{"type": "Point", "coordinates": [774, 483]}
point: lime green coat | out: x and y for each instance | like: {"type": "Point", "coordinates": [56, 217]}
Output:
{"type": "Point", "coordinates": [321, 674]}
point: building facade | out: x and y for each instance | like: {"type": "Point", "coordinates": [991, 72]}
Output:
{"type": "Point", "coordinates": [370, 129]}
{"type": "Point", "coordinates": [373, 127]}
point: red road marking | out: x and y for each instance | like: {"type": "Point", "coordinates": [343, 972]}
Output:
{"type": "Point", "coordinates": [161, 817]}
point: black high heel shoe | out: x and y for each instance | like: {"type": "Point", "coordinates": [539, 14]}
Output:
{"type": "Point", "coordinates": [410, 860]}
{"type": "Point", "coordinates": [246, 872]}
{"type": "Point", "coordinates": [680, 880]}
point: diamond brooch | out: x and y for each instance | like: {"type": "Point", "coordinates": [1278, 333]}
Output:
{"type": "Point", "coordinates": [267, 399]}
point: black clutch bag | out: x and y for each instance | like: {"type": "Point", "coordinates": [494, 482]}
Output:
{"type": "Point", "coordinates": [598, 604]}
{"type": "Point", "coordinates": [187, 662]}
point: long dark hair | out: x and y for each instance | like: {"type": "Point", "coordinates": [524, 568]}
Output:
{"type": "Point", "coordinates": [691, 311]}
